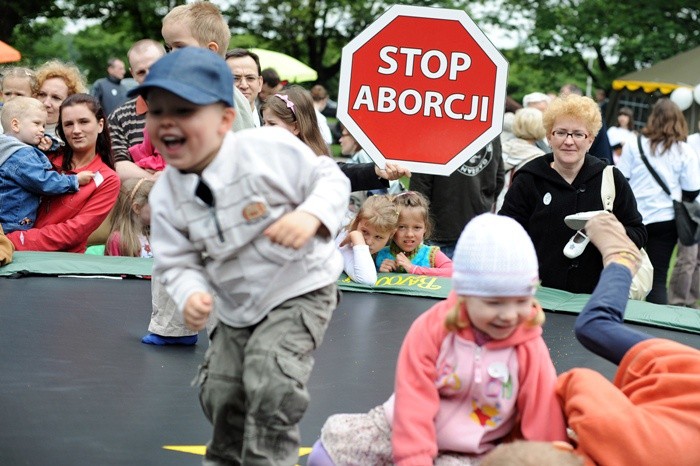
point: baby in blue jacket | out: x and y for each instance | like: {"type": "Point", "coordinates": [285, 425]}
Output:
{"type": "Point", "coordinates": [25, 172]}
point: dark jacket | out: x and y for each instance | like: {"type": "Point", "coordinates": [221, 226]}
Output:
{"type": "Point", "coordinates": [362, 176]}
{"type": "Point", "coordinates": [470, 191]}
{"type": "Point", "coordinates": [540, 198]}
{"type": "Point", "coordinates": [110, 92]}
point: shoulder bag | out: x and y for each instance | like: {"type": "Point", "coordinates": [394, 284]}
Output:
{"type": "Point", "coordinates": [686, 213]}
{"type": "Point", "coordinates": [643, 279]}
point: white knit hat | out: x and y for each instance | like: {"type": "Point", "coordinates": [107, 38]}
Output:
{"type": "Point", "coordinates": [494, 257]}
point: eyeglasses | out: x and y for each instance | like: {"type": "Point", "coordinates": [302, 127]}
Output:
{"type": "Point", "coordinates": [563, 134]}
{"type": "Point", "coordinates": [249, 79]}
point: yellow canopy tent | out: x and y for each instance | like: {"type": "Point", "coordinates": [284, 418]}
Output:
{"type": "Point", "coordinates": [640, 89]}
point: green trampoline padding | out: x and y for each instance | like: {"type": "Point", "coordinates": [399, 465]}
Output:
{"type": "Point", "coordinates": [63, 263]}
{"type": "Point", "coordinates": [639, 312]}
{"type": "Point", "coordinates": [68, 263]}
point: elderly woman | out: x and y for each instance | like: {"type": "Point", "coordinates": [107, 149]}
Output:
{"type": "Point", "coordinates": [65, 222]}
{"type": "Point", "coordinates": [565, 182]}
{"type": "Point", "coordinates": [55, 82]}
{"type": "Point", "coordinates": [663, 143]}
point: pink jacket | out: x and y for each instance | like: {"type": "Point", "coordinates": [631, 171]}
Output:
{"type": "Point", "coordinates": [452, 394]}
{"type": "Point", "coordinates": [146, 156]}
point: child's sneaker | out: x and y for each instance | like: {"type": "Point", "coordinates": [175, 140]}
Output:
{"type": "Point", "coordinates": [153, 339]}
{"type": "Point", "coordinates": [576, 245]}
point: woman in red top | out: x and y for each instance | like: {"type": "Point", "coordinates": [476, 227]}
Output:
{"type": "Point", "coordinates": [65, 222]}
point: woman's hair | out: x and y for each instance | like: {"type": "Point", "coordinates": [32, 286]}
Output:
{"type": "Point", "coordinates": [20, 72]}
{"type": "Point", "coordinates": [380, 212]}
{"type": "Point", "coordinates": [527, 124]}
{"type": "Point", "coordinates": [630, 114]}
{"type": "Point", "coordinates": [457, 318]}
{"type": "Point", "coordinates": [416, 200]}
{"type": "Point", "coordinates": [293, 105]}
{"type": "Point", "coordinates": [69, 73]}
{"type": "Point", "coordinates": [204, 21]}
{"type": "Point", "coordinates": [124, 219]}
{"type": "Point", "coordinates": [574, 106]}
{"type": "Point", "coordinates": [103, 146]}
{"type": "Point", "coordinates": [665, 126]}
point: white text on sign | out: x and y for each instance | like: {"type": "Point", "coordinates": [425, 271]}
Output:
{"type": "Point", "coordinates": [410, 101]}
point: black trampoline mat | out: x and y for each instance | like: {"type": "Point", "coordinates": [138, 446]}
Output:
{"type": "Point", "coordinates": [78, 388]}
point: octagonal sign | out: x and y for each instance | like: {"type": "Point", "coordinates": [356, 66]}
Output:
{"type": "Point", "coordinates": [423, 87]}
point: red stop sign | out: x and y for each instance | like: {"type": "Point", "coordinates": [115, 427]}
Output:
{"type": "Point", "coordinates": [424, 87]}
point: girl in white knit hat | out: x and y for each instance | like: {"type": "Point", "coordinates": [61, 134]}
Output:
{"type": "Point", "coordinates": [473, 370]}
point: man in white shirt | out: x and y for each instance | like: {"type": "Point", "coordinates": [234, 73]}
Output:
{"type": "Point", "coordinates": [245, 67]}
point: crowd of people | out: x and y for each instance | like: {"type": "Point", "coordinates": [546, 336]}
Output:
{"type": "Point", "coordinates": [174, 169]}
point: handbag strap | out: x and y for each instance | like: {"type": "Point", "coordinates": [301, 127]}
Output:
{"type": "Point", "coordinates": [651, 170]}
{"type": "Point", "coordinates": [607, 189]}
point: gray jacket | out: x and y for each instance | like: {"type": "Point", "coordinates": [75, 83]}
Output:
{"type": "Point", "coordinates": [257, 176]}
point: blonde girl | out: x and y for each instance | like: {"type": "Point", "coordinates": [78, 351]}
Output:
{"type": "Point", "coordinates": [407, 253]}
{"type": "Point", "coordinates": [17, 81]}
{"type": "Point", "coordinates": [131, 221]}
{"type": "Point", "coordinates": [370, 230]}
{"type": "Point", "coordinates": [473, 370]}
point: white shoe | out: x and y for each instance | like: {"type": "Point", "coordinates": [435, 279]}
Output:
{"type": "Point", "coordinates": [578, 221]}
{"type": "Point", "coordinates": [576, 245]}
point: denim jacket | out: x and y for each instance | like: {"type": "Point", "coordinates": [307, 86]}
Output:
{"type": "Point", "coordinates": [26, 174]}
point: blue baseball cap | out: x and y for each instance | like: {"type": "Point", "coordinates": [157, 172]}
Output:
{"type": "Point", "coordinates": [195, 74]}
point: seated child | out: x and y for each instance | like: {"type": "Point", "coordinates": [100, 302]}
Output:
{"type": "Point", "coordinates": [130, 229]}
{"type": "Point", "coordinates": [25, 172]}
{"type": "Point", "coordinates": [473, 370]}
{"type": "Point", "coordinates": [407, 253]}
{"type": "Point", "coordinates": [650, 412]}
{"type": "Point", "coordinates": [370, 230]}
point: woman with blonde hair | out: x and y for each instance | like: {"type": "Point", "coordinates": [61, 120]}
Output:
{"type": "Point", "coordinates": [55, 82]}
{"type": "Point", "coordinates": [566, 182]}
{"type": "Point", "coordinates": [663, 143]}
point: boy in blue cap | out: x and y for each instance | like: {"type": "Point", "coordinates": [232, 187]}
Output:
{"type": "Point", "coordinates": [242, 225]}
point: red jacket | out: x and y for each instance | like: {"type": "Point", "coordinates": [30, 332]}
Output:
{"type": "Point", "coordinates": [65, 222]}
{"type": "Point", "coordinates": [650, 414]}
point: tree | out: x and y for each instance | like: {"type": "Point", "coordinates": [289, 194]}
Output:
{"type": "Point", "coordinates": [312, 30]}
{"type": "Point", "coordinates": [603, 40]}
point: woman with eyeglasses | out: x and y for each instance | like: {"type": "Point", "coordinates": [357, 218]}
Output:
{"type": "Point", "coordinates": [663, 142]}
{"type": "Point", "coordinates": [565, 182]}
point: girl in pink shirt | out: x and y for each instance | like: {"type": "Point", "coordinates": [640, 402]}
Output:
{"type": "Point", "coordinates": [473, 371]}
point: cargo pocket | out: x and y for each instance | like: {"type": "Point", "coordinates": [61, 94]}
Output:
{"type": "Point", "coordinates": [295, 397]}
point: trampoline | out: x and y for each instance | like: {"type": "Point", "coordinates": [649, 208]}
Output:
{"type": "Point", "coordinates": [78, 388]}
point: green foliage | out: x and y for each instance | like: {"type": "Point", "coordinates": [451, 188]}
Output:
{"type": "Point", "coordinates": [96, 47]}
{"type": "Point", "coordinates": [40, 41]}
{"type": "Point", "coordinates": [313, 31]}
{"type": "Point", "coordinates": [563, 40]}
{"type": "Point", "coordinates": [619, 37]}
{"type": "Point", "coordinates": [529, 73]}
